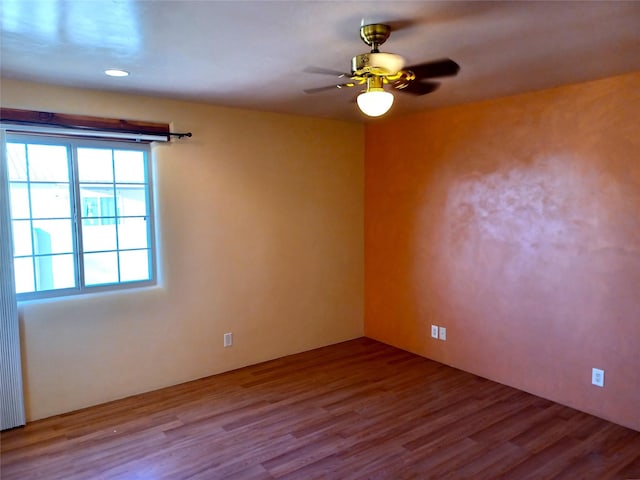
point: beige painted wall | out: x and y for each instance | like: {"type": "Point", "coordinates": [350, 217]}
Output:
{"type": "Point", "coordinates": [260, 229]}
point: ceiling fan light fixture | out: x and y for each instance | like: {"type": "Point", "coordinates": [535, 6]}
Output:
{"type": "Point", "coordinates": [375, 102]}
{"type": "Point", "coordinates": [377, 69]}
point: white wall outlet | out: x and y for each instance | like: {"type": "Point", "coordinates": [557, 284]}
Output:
{"type": "Point", "coordinates": [597, 377]}
{"type": "Point", "coordinates": [434, 331]}
{"type": "Point", "coordinates": [442, 333]}
{"type": "Point", "coordinates": [228, 339]}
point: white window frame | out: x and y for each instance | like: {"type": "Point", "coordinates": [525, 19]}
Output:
{"type": "Point", "coordinates": [72, 144]}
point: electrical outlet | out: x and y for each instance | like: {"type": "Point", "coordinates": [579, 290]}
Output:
{"type": "Point", "coordinates": [434, 331]}
{"type": "Point", "coordinates": [597, 377]}
{"type": "Point", "coordinates": [442, 334]}
{"type": "Point", "coordinates": [228, 339]}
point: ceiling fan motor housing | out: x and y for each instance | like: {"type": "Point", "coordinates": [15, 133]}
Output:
{"type": "Point", "coordinates": [376, 64]}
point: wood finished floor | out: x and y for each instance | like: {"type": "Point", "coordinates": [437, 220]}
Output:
{"type": "Point", "coordinates": [356, 410]}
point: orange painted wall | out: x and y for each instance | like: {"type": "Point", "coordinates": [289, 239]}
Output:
{"type": "Point", "coordinates": [515, 223]}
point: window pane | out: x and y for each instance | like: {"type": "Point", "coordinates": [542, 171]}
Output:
{"type": "Point", "coordinates": [62, 265]}
{"type": "Point", "coordinates": [50, 200]}
{"type": "Point", "coordinates": [113, 214]}
{"type": "Point", "coordinates": [23, 274]}
{"type": "Point", "coordinates": [133, 200]}
{"type": "Point", "coordinates": [100, 268]}
{"type": "Point", "coordinates": [134, 265]}
{"type": "Point", "coordinates": [90, 209]}
{"type": "Point", "coordinates": [91, 199]}
{"type": "Point", "coordinates": [48, 163]}
{"type": "Point", "coordinates": [19, 200]}
{"type": "Point", "coordinates": [132, 233]}
{"type": "Point", "coordinates": [65, 271]}
{"type": "Point", "coordinates": [108, 209]}
{"type": "Point", "coordinates": [17, 161]}
{"type": "Point", "coordinates": [129, 166]}
{"type": "Point", "coordinates": [98, 237]}
{"type": "Point", "coordinates": [95, 165]}
{"type": "Point", "coordinates": [52, 236]}
{"type": "Point", "coordinates": [21, 237]}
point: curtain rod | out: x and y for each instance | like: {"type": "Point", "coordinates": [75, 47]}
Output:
{"type": "Point", "coordinates": [95, 130]}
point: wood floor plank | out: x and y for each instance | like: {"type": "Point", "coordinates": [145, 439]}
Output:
{"type": "Point", "coordinates": [356, 410]}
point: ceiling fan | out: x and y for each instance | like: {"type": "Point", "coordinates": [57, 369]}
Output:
{"type": "Point", "coordinates": [376, 69]}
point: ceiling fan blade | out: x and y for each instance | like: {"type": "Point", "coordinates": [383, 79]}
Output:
{"type": "Point", "coordinates": [326, 71]}
{"type": "Point", "coordinates": [328, 87]}
{"type": "Point", "coordinates": [437, 68]}
{"type": "Point", "coordinates": [401, 24]}
{"type": "Point", "coordinates": [416, 88]}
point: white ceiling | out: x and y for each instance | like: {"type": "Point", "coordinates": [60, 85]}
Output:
{"type": "Point", "coordinates": [252, 54]}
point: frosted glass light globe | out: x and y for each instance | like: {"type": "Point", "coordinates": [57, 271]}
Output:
{"type": "Point", "coordinates": [375, 102]}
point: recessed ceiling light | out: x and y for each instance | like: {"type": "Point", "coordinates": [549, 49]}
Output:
{"type": "Point", "coordinates": [116, 73]}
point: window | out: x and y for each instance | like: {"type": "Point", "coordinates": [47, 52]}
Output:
{"type": "Point", "coordinates": [81, 214]}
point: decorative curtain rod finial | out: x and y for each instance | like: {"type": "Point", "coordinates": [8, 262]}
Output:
{"type": "Point", "coordinates": [180, 135]}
